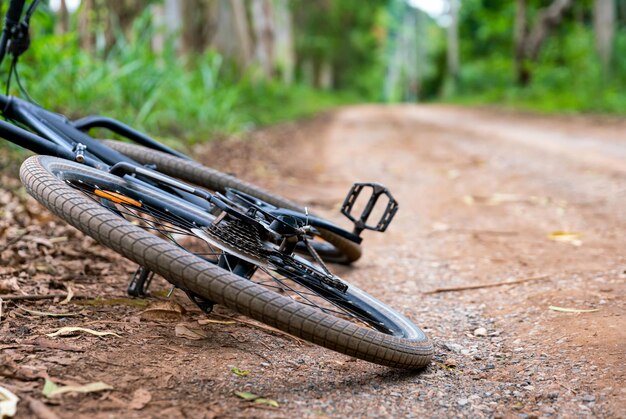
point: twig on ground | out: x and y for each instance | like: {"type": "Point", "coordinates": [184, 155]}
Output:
{"type": "Point", "coordinates": [49, 344]}
{"type": "Point", "coordinates": [474, 231]}
{"type": "Point", "coordinates": [10, 297]}
{"type": "Point", "coordinates": [478, 286]}
{"type": "Point", "coordinates": [567, 388]}
{"type": "Point", "coordinates": [11, 242]}
{"type": "Point", "coordinates": [40, 410]}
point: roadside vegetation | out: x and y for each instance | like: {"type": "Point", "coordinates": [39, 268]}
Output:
{"type": "Point", "coordinates": [180, 81]}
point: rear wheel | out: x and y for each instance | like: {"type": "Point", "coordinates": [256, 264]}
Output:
{"type": "Point", "coordinates": [290, 294]}
{"type": "Point", "coordinates": [335, 249]}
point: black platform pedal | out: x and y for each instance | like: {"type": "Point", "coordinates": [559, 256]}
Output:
{"type": "Point", "coordinates": [376, 191]}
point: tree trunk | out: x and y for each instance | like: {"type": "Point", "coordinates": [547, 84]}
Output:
{"type": "Point", "coordinates": [604, 28]}
{"type": "Point", "coordinates": [63, 19]}
{"type": "Point", "coordinates": [232, 32]}
{"type": "Point", "coordinates": [548, 19]}
{"type": "Point", "coordinates": [521, 32]}
{"type": "Point", "coordinates": [284, 54]}
{"type": "Point", "coordinates": [528, 44]}
{"type": "Point", "coordinates": [85, 22]}
{"type": "Point", "coordinates": [453, 42]}
{"type": "Point", "coordinates": [195, 28]}
{"type": "Point", "coordinates": [263, 25]}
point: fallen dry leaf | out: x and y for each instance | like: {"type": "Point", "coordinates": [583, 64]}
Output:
{"type": "Point", "coordinates": [267, 402]}
{"type": "Point", "coordinates": [141, 397]}
{"type": "Point", "coordinates": [71, 331]}
{"type": "Point", "coordinates": [246, 395]}
{"type": "Point", "coordinates": [47, 313]}
{"type": "Point", "coordinates": [251, 397]}
{"type": "Point", "coordinates": [211, 321]}
{"type": "Point", "coordinates": [163, 310]}
{"type": "Point", "coordinates": [8, 403]}
{"type": "Point", "coordinates": [504, 198]}
{"type": "Point", "coordinates": [67, 299]}
{"type": "Point", "coordinates": [572, 310]}
{"type": "Point", "coordinates": [237, 371]}
{"type": "Point", "coordinates": [566, 237]}
{"type": "Point", "coordinates": [190, 332]}
{"type": "Point", "coordinates": [50, 389]}
{"type": "Point", "coordinates": [9, 285]}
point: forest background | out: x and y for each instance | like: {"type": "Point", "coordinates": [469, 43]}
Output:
{"type": "Point", "coordinates": [191, 69]}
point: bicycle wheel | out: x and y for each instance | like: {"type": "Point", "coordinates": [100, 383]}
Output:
{"type": "Point", "coordinates": [337, 249]}
{"type": "Point", "coordinates": [98, 203]}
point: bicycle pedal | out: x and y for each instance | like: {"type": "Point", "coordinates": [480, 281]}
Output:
{"type": "Point", "coordinates": [376, 191]}
{"type": "Point", "coordinates": [140, 282]}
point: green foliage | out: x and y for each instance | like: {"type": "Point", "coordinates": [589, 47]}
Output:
{"type": "Point", "coordinates": [348, 35]}
{"type": "Point", "coordinates": [187, 98]}
{"type": "Point", "coordinates": [568, 76]}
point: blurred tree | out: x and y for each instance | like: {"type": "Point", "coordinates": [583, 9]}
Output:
{"type": "Point", "coordinates": [604, 28]}
{"type": "Point", "coordinates": [100, 21]}
{"type": "Point", "coordinates": [528, 42]}
{"type": "Point", "coordinates": [340, 43]}
{"type": "Point", "coordinates": [453, 43]}
{"type": "Point", "coordinates": [284, 53]}
{"type": "Point", "coordinates": [262, 12]}
{"type": "Point", "coordinates": [85, 22]}
{"type": "Point", "coordinates": [63, 19]}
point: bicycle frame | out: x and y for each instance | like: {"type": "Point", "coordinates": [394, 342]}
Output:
{"type": "Point", "coordinates": [57, 136]}
{"type": "Point", "coordinates": [62, 138]}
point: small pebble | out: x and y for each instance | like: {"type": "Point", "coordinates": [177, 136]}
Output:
{"type": "Point", "coordinates": [589, 398]}
{"type": "Point", "coordinates": [481, 331]}
{"type": "Point", "coordinates": [462, 402]}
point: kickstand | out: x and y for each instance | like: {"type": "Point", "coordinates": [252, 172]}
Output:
{"type": "Point", "coordinates": [139, 283]}
{"type": "Point", "coordinates": [205, 305]}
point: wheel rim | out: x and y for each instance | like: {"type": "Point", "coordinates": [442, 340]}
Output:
{"type": "Point", "coordinates": [141, 208]}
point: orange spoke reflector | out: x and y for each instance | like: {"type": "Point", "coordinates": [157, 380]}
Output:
{"type": "Point", "coordinates": [117, 198]}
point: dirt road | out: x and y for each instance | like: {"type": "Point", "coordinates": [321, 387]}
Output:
{"type": "Point", "coordinates": [485, 196]}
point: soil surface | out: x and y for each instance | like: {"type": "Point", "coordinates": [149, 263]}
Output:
{"type": "Point", "coordinates": [485, 196]}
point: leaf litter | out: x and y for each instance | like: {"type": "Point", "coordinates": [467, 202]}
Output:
{"type": "Point", "coordinates": [141, 397]}
{"type": "Point", "coordinates": [51, 389]}
{"type": "Point", "coordinates": [71, 331]}
{"type": "Point", "coordinates": [8, 403]}
{"type": "Point", "coordinates": [237, 371]}
{"type": "Point", "coordinates": [572, 310]}
{"type": "Point", "coordinates": [251, 397]}
{"type": "Point", "coordinates": [166, 310]}
{"type": "Point", "coordinates": [190, 331]}
{"type": "Point", "coordinates": [566, 237]}
{"type": "Point", "coordinates": [47, 313]}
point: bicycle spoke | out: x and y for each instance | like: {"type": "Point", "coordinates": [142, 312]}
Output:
{"type": "Point", "coordinates": [178, 230]}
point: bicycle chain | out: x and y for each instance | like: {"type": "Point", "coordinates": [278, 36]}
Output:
{"type": "Point", "coordinates": [246, 238]}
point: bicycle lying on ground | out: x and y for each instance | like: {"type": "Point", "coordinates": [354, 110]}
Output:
{"type": "Point", "coordinates": [222, 242]}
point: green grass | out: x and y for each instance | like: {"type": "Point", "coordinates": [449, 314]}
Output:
{"type": "Point", "coordinates": [176, 99]}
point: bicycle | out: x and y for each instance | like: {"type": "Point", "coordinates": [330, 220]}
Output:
{"type": "Point", "coordinates": [240, 247]}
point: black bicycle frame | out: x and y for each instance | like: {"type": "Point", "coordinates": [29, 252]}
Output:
{"type": "Point", "coordinates": [57, 137]}
{"type": "Point", "coordinates": [60, 137]}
